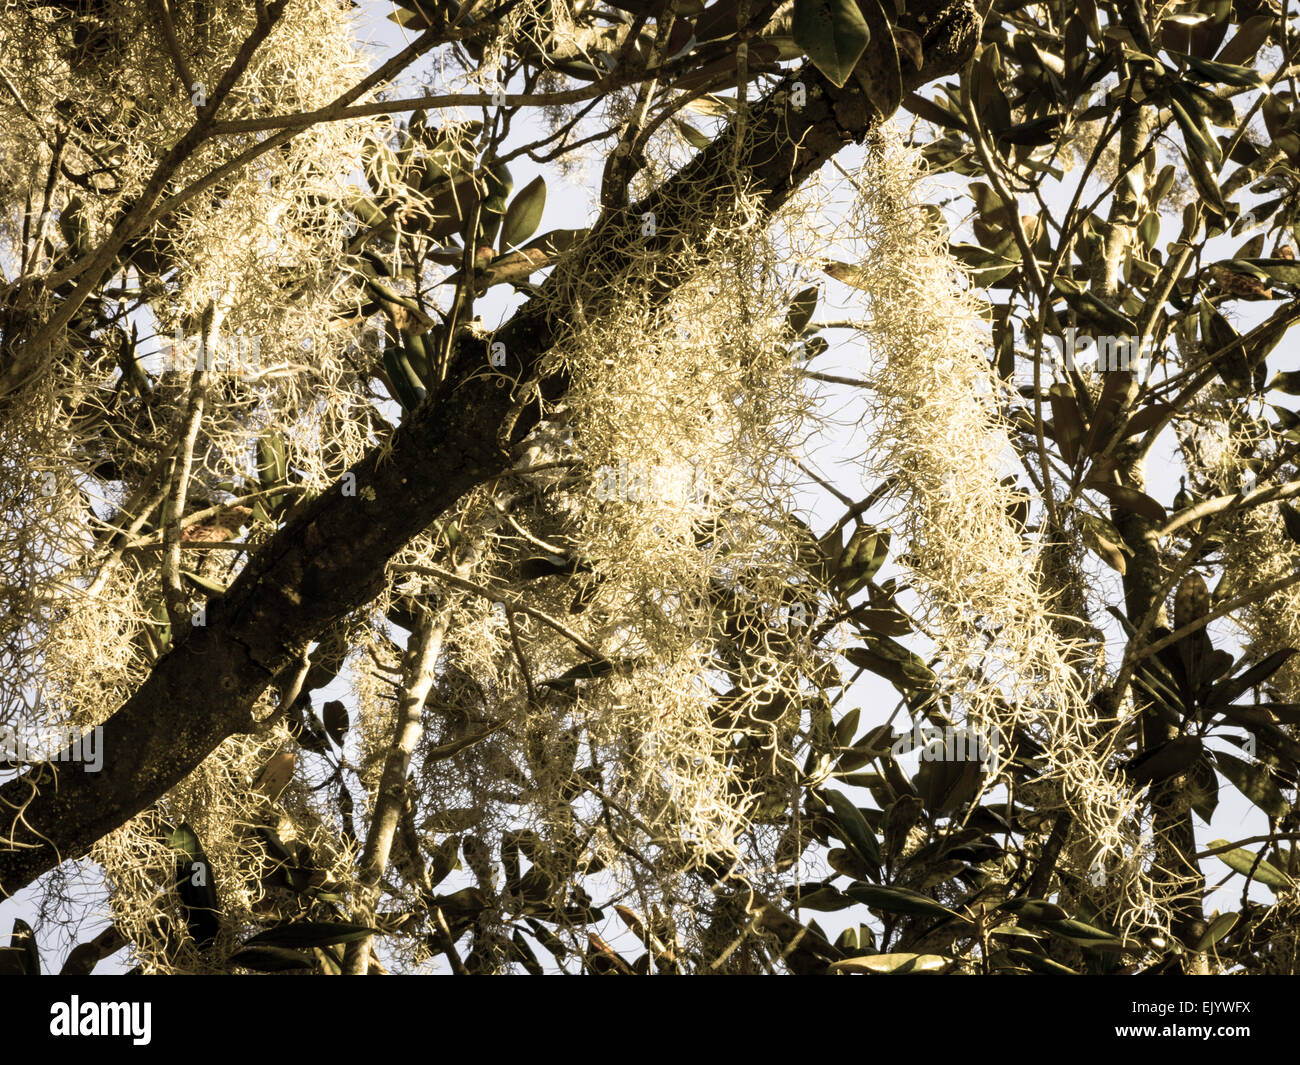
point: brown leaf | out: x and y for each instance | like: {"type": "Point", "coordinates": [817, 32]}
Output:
{"type": "Point", "coordinates": [275, 777]}
{"type": "Point", "coordinates": [1241, 286]}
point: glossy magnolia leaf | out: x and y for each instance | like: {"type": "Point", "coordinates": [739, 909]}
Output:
{"type": "Point", "coordinates": [1287, 381]}
{"type": "Point", "coordinates": [272, 959]}
{"type": "Point", "coordinates": [1219, 927]}
{"type": "Point", "coordinates": [899, 900]}
{"type": "Point", "coordinates": [497, 186]}
{"type": "Point", "coordinates": [1229, 690]}
{"type": "Point", "coordinates": [334, 716]}
{"type": "Point", "coordinates": [406, 385]}
{"type": "Point", "coordinates": [891, 660]}
{"type": "Point", "coordinates": [1147, 418]}
{"type": "Point", "coordinates": [1255, 782]}
{"type": "Point", "coordinates": [1198, 170]}
{"type": "Point", "coordinates": [1250, 37]}
{"type": "Point", "coordinates": [824, 899]}
{"type": "Point", "coordinates": [1035, 910]}
{"type": "Point", "coordinates": [893, 964]}
{"type": "Point", "coordinates": [1243, 861]}
{"type": "Point", "coordinates": [1094, 313]}
{"type": "Point", "coordinates": [854, 830]}
{"type": "Point", "coordinates": [206, 584]}
{"type": "Point", "coordinates": [306, 934]}
{"type": "Point", "coordinates": [1224, 73]}
{"type": "Point", "coordinates": [1084, 934]}
{"type": "Point", "coordinates": [1164, 761]}
{"type": "Point", "coordinates": [833, 34]}
{"type": "Point", "coordinates": [862, 558]}
{"type": "Point", "coordinates": [196, 886]}
{"type": "Point", "coordinates": [1102, 537]}
{"type": "Point", "coordinates": [524, 214]}
{"type": "Point", "coordinates": [1130, 499]}
{"type": "Point", "coordinates": [1067, 425]}
{"type": "Point", "coordinates": [879, 72]}
{"type": "Point", "coordinates": [801, 310]}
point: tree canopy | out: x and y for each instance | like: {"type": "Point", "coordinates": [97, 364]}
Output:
{"type": "Point", "coordinates": [774, 566]}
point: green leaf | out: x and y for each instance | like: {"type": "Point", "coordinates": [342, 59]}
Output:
{"type": "Point", "coordinates": [1242, 861]}
{"type": "Point", "coordinates": [497, 185]}
{"type": "Point", "coordinates": [1227, 691]}
{"type": "Point", "coordinates": [272, 959]}
{"type": "Point", "coordinates": [306, 934]}
{"type": "Point", "coordinates": [1287, 381]}
{"type": "Point", "coordinates": [824, 899]}
{"type": "Point", "coordinates": [272, 466]}
{"type": "Point", "coordinates": [1199, 171]}
{"type": "Point", "coordinates": [1198, 142]}
{"type": "Point", "coordinates": [693, 136]}
{"type": "Point", "coordinates": [1226, 73]}
{"type": "Point", "coordinates": [1036, 910]}
{"type": "Point", "coordinates": [899, 900]}
{"type": "Point", "coordinates": [891, 660]}
{"type": "Point", "coordinates": [1164, 760]}
{"type": "Point", "coordinates": [1094, 312]}
{"type": "Point", "coordinates": [196, 886]}
{"type": "Point", "coordinates": [1130, 499]}
{"type": "Point", "coordinates": [863, 556]}
{"type": "Point", "coordinates": [833, 34]}
{"type": "Point", "coordinates": [1084, 934]}
{"type": "Point", "coordinates": [206, 584]}
{"type": "Point", "coordinates": [524, 214]}
{"type": "Point", "coordinates": [1253, 781]}
{"type": "Point", "coordinates": [893, 964]}
{"type": "Point", "coordinates": [407, 388]}
{"type": "Point", "coordinates": [855, 831]}
{"type": "Point", "coordinates": [801, 310]}
{"type": "Point", "coordinates": [1067, 424]}
{"type": "Point", "coordinates": [1219, 927]}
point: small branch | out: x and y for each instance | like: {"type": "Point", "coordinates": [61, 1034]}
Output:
{"type": "Point", "coordinates": [1227, 608]}
{"type": "Point", "coordinates": [1246, 842]}
{"type": "Point", "coordinates": [164, 16]}
{"type": "Point", "coordinates": [422, 652]}
{"type": "Point", "coordinates": [487, 593]}
{"type": "Point", "coordinates": [1240, 501]}
{"type": "Point", "coordinates": [182, 468]}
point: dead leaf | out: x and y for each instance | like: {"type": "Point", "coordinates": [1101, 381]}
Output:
{"type": "Point", "coordinates": [275, 777]}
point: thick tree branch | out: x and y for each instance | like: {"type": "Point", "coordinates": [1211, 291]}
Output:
{"type": "Point", "coordinates": [330, 557]}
